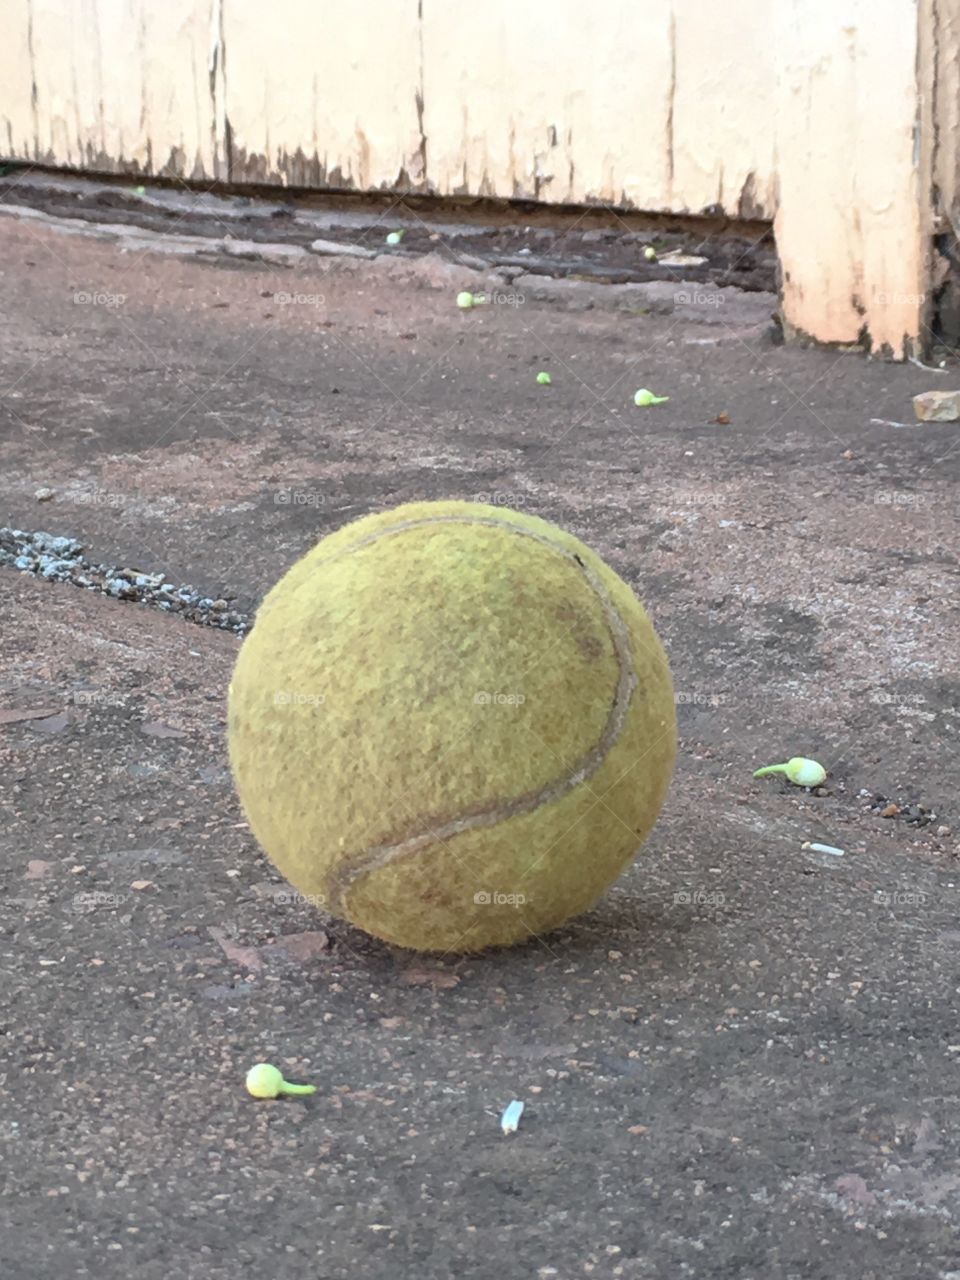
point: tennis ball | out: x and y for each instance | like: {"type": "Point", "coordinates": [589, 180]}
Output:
{"type": "Point", "coordinates": [453, 724]}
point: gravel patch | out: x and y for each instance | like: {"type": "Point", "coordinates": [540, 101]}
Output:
{"type": "Point", "coordinates": [59, 559]}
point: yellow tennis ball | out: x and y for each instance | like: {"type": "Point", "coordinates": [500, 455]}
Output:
{"type": "Point", "coordinates": [452, 724]}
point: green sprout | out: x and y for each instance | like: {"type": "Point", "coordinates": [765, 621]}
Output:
{"type": "Point", "coordinates": [644, 397]}
{"type": "Point", "coordinates": [265, 1081]}
{"type": "Point", "coordinates": [800, 771]}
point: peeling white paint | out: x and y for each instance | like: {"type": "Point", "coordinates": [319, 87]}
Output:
{"type": "Point", "coordinates": [659, 105]}
{"type": "Point", "coordinates": [820, 113]}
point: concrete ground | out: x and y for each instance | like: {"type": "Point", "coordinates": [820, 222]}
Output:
{"type": "Point", "coordinates": [743, 1063]}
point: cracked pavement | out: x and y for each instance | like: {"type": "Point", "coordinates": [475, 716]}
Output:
{"type": "Point", "coordinates": [742, 1062]}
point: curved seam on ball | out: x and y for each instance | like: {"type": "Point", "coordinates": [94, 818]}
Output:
{"type": "Point", "coordinates": [341, 880]}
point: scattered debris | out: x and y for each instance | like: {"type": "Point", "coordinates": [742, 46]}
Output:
{"type": "Point", "coordinates": [722, 419]}
{"type": "Point", "coordinates": [511, 1117]}
{"type": "Point", "coordinates": [265, 1081]}
{"type": "Point", "coordinates": [44, 494]}
{"type": "Point", "coordinates": [915, 815]}
{"type": "Point", "coordinates": [643, 397]}
{"type": "Point", "coordinates": [937, 406]}
{"type": "Point", "coordinates": [822, 848]}
{"type": "Point", "coordinates": [544, 378]}
{"type": "Point", "coordinates": [799, 770]}
{"type": "Point", "coordinates": [885, 422]}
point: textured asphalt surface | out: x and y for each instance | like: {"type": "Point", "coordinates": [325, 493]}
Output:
{"type": "Point", "coordinates": [743, 1063]}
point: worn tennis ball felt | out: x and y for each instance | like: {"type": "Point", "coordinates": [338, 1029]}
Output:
{"type": "Point", "coordinates": [452, 724]}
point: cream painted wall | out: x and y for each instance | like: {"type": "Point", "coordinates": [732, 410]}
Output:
{"type": "Point", "coordinates": [660, 104]}
{"type": "Point", "coordinates": [806, 111]}
{"type": "Point", "coordinates": [854, 221]}
{"type": "Point", "coordinates": [118, 84]}
{"type": "Point", "coordinates": [650, 104]}
{"type": "Point", "coordinates": [324, 93]}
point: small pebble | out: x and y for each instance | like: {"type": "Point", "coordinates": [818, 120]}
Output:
{"type": "Point", "coordinates": [56, 568]}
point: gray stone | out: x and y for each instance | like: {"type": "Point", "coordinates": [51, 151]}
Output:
{"type": "Point", "coordinates": [937, 406]}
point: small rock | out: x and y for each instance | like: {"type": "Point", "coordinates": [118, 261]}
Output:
{"type": "Point", "coordinates": [58, 546]}
{"type": "Point", "coordinates": [937, 406]}
{"type": "Point", "coordinates": [853, 1187]}
{"type": "Point", "coordinates": [301, 947]}
{"type": "Point", "coordinates": [944, 831]}
{"type": "Point", "coordinates": [43, 494]}
{"type": "Point", "coordinates": [55, 568]}
{"type": "Point", "coordinates": [334, 249]}
{"type": "Point", "coordinates": [246, 956]}
{"type": "Point", "coordinates": [917, 814]}
{"type": "Point", "coordinates": [52, 724]}
{"type": "Point", "coordinates": [156, 729]}
{"type": "Point", "coordinates": [890, 811]}
{"type": "Point", "coordinates": [15, 715]}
